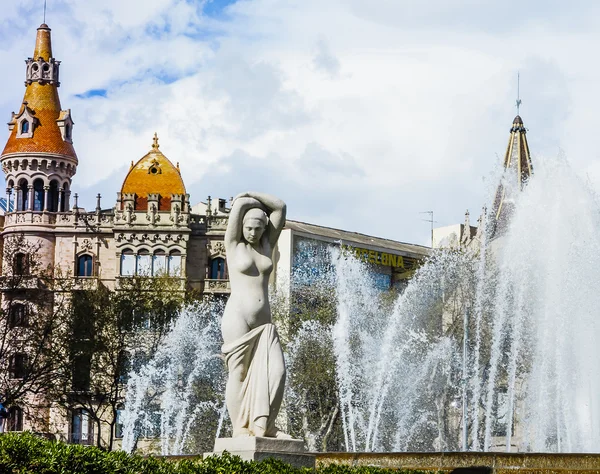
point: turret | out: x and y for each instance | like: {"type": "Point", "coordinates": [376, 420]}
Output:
{"type": "Point", "coordinates": [39, 160]}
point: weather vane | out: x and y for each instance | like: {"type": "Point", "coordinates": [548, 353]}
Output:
{"type": "Point", "coordinates": [518, 91]}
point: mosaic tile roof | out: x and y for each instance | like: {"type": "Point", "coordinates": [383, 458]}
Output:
{"type": "Point", "coordinates": [43, 100]}
{"type": "Point", "coordinates": [153, 174]}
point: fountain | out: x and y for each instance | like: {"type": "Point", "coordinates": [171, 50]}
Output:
{"type": "Point", "coordinates": [177, 398]}
{"type": "Point", "coordinates": [529, 304]}
{"type": "Point", "coordinates": [485, 350]}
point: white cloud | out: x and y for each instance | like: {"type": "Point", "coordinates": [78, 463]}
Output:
{"type": "Point", "coordinates": [360, 114]}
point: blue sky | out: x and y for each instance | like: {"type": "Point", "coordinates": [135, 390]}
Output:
{"type": "Point", "coordinates": [359, 114]}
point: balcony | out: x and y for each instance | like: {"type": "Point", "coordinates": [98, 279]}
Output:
{"type": "Point", "coordinates": [217, 286]}
{"type": "Point", "coordinates": [86, 283]}
{"type": "Point", "coordinates": [21, 282]}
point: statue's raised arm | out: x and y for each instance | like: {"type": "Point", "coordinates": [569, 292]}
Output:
{"type": "Point", "coordinates": [248, 206]}
{"type": "Point", "coordinates": [251, 345]}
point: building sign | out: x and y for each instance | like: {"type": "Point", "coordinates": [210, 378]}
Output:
{"type": "Point", "coordinates": [372, 256]}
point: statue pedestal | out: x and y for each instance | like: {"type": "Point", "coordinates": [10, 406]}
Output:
{"type": "Point", "coordinates": [253, 448]}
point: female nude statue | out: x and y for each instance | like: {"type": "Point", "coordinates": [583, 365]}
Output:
{"type": "Point", "coordinates": [251, 345]}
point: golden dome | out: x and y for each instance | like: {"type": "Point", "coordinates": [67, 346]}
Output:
{"type": "Point", "coordinates": [153, 174]}
{"type": "Point", "coordinates": [41, 99]}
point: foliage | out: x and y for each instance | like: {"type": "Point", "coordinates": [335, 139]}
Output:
{"type": "Point", "coordinates": [32, 329]}
{"type": "Point", "coordinates": [113, 331]}
{"type": "Point", "coordinates": [28, 454]}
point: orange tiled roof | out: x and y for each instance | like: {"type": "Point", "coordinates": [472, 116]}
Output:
{"type": "Point", "coordinates": [153, 174]}
{"type": "Point", "coordinates": [43, 100]}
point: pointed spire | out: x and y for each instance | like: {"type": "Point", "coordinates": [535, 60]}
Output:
{"type": "Point", "coordinates": [517, 171]}
{"type": "Point", "coordinates": [43, 43]}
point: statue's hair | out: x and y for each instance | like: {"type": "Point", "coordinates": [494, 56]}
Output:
{"type": "Point", "coordinates": [258, 214]}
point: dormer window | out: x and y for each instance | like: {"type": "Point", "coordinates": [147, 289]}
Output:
{"type": "Point", "coordinates": [24, 121]}
{"type": "Point", "coordinates": [65, 124]}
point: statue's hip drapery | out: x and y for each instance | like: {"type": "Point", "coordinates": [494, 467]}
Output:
{"type": "Point", "coordinates": [258, 358]}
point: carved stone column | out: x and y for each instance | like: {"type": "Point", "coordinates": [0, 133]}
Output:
{"type": "Point", "coordinates": [46, 189]}
{"type": "Point", "coordinates": [18, 199]}
{"type": "Point", "coordinates": [30, 192]}
{"type": "Point", "coordinates": [8, 193]}
{"type": "Point", "coordinates": [61, 193]}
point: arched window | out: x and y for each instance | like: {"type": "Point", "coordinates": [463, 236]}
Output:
{"type": "Point", "coordinates": [144, 263]}
{"type": "Point", "coordinates": [218, 269]}
{"type": "Point", "coordinates": [127, 263]}
{"type": "Point", "coordinates": [159, 263]}
{"type": "Point", "coordinates": [21, 264]}
{"type": "Point", "coordinates": [82, 427]}
{"type": "Point", "coordinates": [53, 196]}
{"type": "Point", "coordinates": [24, 127]}
{"type": "Point", "coordinates": [23, 196]}
{"type": "Point", "coordinates": [15, 419]}
{"type": "Point", "coordinates": [38, 195]}
{"type": "Point", "coordinates": [85, 266]}
{"type": "Point", "coordinates": [175, 263]}
{"type": "Point", "coordinates": [64, 202]}
{"type": "Point", "coordinates": [68, 131]}
{"type": "Point", "coordinates": [17, 315]}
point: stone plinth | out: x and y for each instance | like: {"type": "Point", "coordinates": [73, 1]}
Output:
{"type": "Point", "coordinates": [254, 448]}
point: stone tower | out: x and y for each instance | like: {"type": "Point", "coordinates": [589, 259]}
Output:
{"type": "Point", "coordinates": [39, 160]}
{"type": "Point", "coordinates": [517, 171]}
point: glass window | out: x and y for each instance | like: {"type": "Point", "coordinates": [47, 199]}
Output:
{"type": "Point", "coordinates": [82, 427]}
{"type": "Point", "coordinates": [119, 422]}
{"type": "Point", "coordinates": [81, 370]}
{"type": "Point", "coordinates": [218, 270]}
{"type": "Point", "coordinates": [127, 263]}
{"type": "Point", "coordinates": [20, 267]}
{"type": "Point", "coordinates": [38, 195]}
{"type": "Point", "coordinates": [159, 263]}
{"type": "Point", "coordinates": [25, 126]}
{"type": "Point", "coordinates": [84, 266]}
{"type": "Point", "coordinates": [15, 419]}
{"type": "Point", "coordinates": [17, 365]}
{"type": "Point", "coordinates": [144, 263]}
{"type": "Point", "coordinates": [53, 197]}
{"type": "Point", "coordinates": [23, 195]}
{"type": "Point", "coordinates": [175, 264]}
{"type": "Point", "coordinates": [17, 315]}
{"type": "Point", "coordinates": [64, 205]}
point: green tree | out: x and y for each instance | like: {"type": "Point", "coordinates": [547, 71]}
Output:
{"type": "Point", "coordinates": [111, 332]}
{"type": "Point", "coordinates": [32, 328]}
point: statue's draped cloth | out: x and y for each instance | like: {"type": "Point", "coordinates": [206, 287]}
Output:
{"type": "Point", "coordinates": [254, 353]}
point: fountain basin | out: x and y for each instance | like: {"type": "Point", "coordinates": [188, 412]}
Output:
{"type": "Point", "coordinates": [500, 463]}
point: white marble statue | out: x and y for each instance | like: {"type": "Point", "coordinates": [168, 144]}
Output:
{"type": "Point", "coordinates": [251, 345]}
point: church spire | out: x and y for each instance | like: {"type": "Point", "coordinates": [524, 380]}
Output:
{"type": "Point", "coordinates": [517, 171]}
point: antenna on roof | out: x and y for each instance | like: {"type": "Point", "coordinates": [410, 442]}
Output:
{"type": "Point", "coordinates": [518, 91]}
{"type": "Point", "coordinates": [44, 12]}
{"type": "Point", "coordinates": [431, 221]}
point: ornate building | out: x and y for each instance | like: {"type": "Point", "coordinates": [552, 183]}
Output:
{"type": "Point", "coordinates": [151, 229]}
